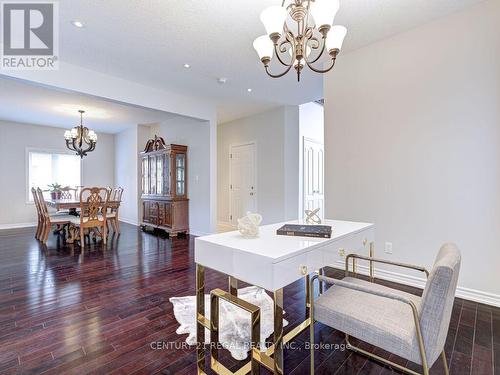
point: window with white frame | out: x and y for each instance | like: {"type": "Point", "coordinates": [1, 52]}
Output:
{"type": "Point", "coordinates": [48, 167]}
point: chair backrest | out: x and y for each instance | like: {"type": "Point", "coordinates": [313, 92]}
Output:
{"type": "Point", "coordinates": [37, 204]}
{"type": "Point", "coordinates": [68, 192]}
{"type": "Point", "coordinates": [93, 201]}
{"type": "Point", "coordinates": [44, 211]}
{"type": "Point", "coordinates": [437, 300]}
{"type": "Point", "coordinates": [117, 194]}
{"type": "Point", "coordinates": [35, 200]}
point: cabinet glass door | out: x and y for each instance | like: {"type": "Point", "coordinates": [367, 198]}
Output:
{"type": "Point", "coordinates": [159, 174]}
{"type": "Point", "coordinates": [180, 166]}
{"type": "Point", "coordinates": [152, 168]}
{"type": "Point", "coordinates": [145, 175]}
{"type": "Point", "coordinates": [166, 174]}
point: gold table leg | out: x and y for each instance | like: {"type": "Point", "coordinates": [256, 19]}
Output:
{"type": "Point", "coordinates": [200, 315]}
{"type": "Point", "coordinates": [233, 286]}
{"type": "Point", "coordinates": [214, 328]}
{"type": "Point", "coordinates": [272, 359]}
{"type": "Point", "coordinates": [308, 296]}
{"type": "Point", "coordinates": [278, 332]}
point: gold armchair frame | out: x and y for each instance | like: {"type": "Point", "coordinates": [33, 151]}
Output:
{"type": "Point", "coordinates": [323, 279]}
{"type": "Point", "coordinates": [379, 260]}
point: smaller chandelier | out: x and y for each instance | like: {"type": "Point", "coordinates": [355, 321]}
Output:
{"type": "Point", "coordinates": [303, 31]}
{"type": "Point", "coordinates": [80, 139]}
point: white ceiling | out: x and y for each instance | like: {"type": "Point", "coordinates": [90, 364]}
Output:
{"type": "Point", "coordinates": [149, 41]}
{"type": "Point", "coordinates": [23, 102]}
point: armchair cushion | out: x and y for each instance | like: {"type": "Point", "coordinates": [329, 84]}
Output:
{"type": "Point", "coordinates": [383, 322]}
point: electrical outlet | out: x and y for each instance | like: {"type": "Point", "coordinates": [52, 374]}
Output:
{"type": "Point", "coordinates": [342, 253]}
{"type": "Point", "coordinates": [388, 247]}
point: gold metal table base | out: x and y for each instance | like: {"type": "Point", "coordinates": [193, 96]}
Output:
{"type": "Point", "coordinates": [215, 296]}
{"type": "Point", "coordinates": [272, 358]}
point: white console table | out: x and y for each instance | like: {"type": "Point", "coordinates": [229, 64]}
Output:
{"type": "Point", "coordinates": [271, 262]}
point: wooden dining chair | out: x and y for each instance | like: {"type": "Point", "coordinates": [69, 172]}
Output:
{"type": "Point", "coordinates": [69, 192]}
{"type": "Point", "coordinates": [39, 227]}
{"type": "Point", "coordinates": [93, 202]}
{"type": "Point", "coordinates": [112, 215]}
{"type": "Point", "coordinates": [49, 220]}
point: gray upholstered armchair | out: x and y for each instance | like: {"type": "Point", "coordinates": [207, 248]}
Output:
{"type": "Point", "coordinates": [409, 326]}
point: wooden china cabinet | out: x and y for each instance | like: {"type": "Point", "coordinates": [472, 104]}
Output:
{"type": "Point", "coordinates": [164, 187]}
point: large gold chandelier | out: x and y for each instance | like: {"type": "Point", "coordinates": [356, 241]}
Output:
{"type": "Point", "coordinates": [301, 29]}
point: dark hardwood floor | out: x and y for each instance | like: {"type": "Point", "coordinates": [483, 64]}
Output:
{"type": "Point", "coordinates": [63, 312]}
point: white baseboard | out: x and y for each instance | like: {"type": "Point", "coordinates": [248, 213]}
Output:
{"type": "Point", "coordinates": [129, 221]}
{"type": "Point", "coordinates": [418, 282]}
{"type": "Point", "coordinates": [18, 225]}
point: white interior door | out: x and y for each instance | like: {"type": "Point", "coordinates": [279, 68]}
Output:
{"type": "Point", "coordinates": [314, 169]}
{"type": "Point", "coordinates": [242, 188]}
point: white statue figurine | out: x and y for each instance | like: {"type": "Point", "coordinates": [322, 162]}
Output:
{"type": "Point", "coordinates": [249, 225]}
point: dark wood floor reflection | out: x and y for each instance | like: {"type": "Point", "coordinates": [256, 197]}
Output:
{"type": "Point", "coordinates": [63, 312]}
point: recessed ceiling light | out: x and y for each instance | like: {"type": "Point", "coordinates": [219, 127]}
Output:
{"type": "Point", "coordinates": [222, 80]}
{"type": "Point", "coordinates": [78, 24]}
{"type": "Point", "coordinates": [187, 66]}
{"type": "Point", "coordinates": [249, 90]}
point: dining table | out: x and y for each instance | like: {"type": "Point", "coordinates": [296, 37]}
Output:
{"type": "Point", "coordinates": [72, 205]}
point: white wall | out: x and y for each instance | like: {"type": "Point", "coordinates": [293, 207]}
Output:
{"type": "Point", "coordinates": [128, 144]}
{"type": "Point", "coordinates": [196, 135]}
{"type": "Point", "coordinates": [311, 126]}
{"type": "Point", "coordinates": [291, 161]}
{"type": "Point", "coordinates": [275, 133]}
{"type": "Point", "coordinates": [126, 162]}
{"type": "Point", "coordinates": [143, 135]}
{"type": "Point", "coordinates": [15, 138]}
{"type": "Point", "coordinates": [412, 135]}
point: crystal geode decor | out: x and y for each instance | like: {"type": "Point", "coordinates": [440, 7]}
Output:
{"type": "Point", "coordinates": [249, 225]}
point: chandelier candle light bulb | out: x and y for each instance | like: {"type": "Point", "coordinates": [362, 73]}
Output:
{"type": "Point", "coordinates": [324, 12]}
{"type": "Point", "coordinates": [273, 19]}
{"type": "Point", "coordinates": [302, 29]}
{"type": "Point", "coordinates": [335, 38]}
{"type": "Point", "coordinates": [264, 48]}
